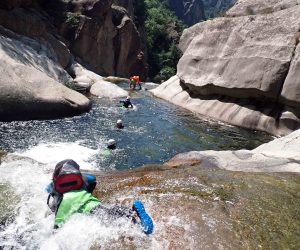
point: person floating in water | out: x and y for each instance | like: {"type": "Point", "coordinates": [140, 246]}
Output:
{"type": "Point", "coordinates": [119, 124]}
{"type": "Point", "coordinates": [70, 192]}
{"type": "Point", "coordinates": [127, 103]}
{"type": "Point", "coordinates": [111, 145]}
{"type": "Point", "coordinates": [135, 80]}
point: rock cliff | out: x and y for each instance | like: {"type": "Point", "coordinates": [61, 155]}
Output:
{"type": "Point", "coordinates": [102, 34]}
{"type": "Point", "coordinates": [41, 43]}
{"type": "Point", "coordinates": [213, 8]}
{"type": "Point", "coordinates": [242, 68]}
{"type": "Point", "coordinates": [194, 11]}
{"type": "Point", "coordinates": [190, 12]}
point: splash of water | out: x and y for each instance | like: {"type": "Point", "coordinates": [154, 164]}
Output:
{"type": "Point", "coordinates": [51, 153]}
{"type": "Point", "coordinates": [32, 226]}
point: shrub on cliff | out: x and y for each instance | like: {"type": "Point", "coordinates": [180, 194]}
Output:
{"type": "Point", "coordinates": [163, 33]}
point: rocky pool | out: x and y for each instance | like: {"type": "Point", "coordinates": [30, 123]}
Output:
{"type": "Point", "coordinates": [154, 132]}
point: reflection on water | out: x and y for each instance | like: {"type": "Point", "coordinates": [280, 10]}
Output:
{"type": "Point", "coordinates": [154, 132]}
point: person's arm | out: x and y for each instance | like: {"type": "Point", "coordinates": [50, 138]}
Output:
{"type": "Point", "coordinates": [90, 182]}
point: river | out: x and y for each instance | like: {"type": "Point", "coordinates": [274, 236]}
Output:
{"type": "Point", "coordinates": [154, 132]}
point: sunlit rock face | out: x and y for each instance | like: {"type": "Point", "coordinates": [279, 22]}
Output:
{"type": "Point", "coordinates": [243, 70]}
{"type": "Point", "coordinates": [31, 81]}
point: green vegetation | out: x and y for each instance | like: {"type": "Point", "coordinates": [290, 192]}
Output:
{"type": "Point", "coordinates": [71, 85]}
{"type": "Point", "coordinates": [72, 19]}
{"type": "Point", "coordinates": [163, 33]}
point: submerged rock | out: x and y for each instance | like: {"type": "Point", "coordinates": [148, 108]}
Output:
{"type": "Point", "coordinates": [195, 204]}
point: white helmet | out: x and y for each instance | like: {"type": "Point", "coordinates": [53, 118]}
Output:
{"type": "Point", "coordinates": [119, 121]}
{"type": "Point", "coordinates": [128, 98]}
{"type": "Point", "coordinates": [111, 142]}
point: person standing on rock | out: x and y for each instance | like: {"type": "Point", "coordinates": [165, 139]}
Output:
{"type": "Point", "coordinates": [135, 80]}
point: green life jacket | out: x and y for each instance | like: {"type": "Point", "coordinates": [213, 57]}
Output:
{"type": "Point", "coordinates": [106, 152]}
{"type": "Point", "coordinates": [77, 201]}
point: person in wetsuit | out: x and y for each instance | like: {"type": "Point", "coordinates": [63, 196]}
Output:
{"type": "Point", "coordinates": [119, 124]}
{"type": "Point", "coordinates": [127, 103]}
{"type": "Point", "coordinates": [71, 192]}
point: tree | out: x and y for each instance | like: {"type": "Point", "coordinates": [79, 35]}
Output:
{"type": "Point", "coordinates": [163, 32]}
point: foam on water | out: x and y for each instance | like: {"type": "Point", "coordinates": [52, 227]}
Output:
{"type": "Point", "coordinates": [32, 226]}
{"type": "Point", "coordinates": [52, 153]}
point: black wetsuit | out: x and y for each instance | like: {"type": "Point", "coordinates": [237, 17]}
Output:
{"type": "Point", "coordinates": [127, 104]}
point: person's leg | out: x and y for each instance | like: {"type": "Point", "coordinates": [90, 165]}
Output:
{"type": "Point", "coordinates": [145, 219]}
{"type": "Point", "coordinates": [137, 210]}
{"type": "Point", "coordinates": [116, 212]}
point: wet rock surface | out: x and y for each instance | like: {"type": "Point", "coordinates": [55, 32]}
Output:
{"type": "Point", "coordinates": [196, 206]}
{"type": "Point", "coordinates": [279, 155]}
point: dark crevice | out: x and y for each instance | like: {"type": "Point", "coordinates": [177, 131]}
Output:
{"type": "Point", "coordinates": [265, 105]}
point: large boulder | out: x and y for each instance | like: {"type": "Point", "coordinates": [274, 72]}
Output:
{"type": "Point", "coordinates": [31, 82]}
{"type": "Point", "coordinates": [32, 24]}
{"type": "Point", "coordinates": [107, 89]}
{"type": "Point", "coordinates": [243, 70]}
{"type": "Point", "coordinates": [255, 7]}
{"type": "Point", "coordinates": [96, 84]}
{"type": "Point", "coordinates": [232, 110]}
{"type": "Point", "coordinates": [240, 57]}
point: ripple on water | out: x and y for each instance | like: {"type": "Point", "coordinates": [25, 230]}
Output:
{"type": "Point", "coordinates": [154, 132]}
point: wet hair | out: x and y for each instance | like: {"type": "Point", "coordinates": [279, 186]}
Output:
{"type": "Point", "coordinates": [112, 147]}
{"type": "Point", "coordinates": [111, 144]}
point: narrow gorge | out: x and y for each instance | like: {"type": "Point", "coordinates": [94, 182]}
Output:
{"type": "Point", "coordinates": [207, 143]}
